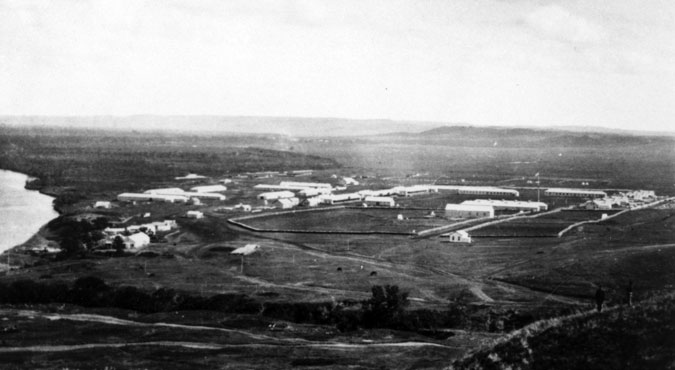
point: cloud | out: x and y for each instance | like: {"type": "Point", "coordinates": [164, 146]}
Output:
{"type": "Point", "coordinates": [557, 23]}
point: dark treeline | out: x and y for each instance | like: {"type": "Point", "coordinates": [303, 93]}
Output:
{"type": "Point", "coordinates": [385, 309]}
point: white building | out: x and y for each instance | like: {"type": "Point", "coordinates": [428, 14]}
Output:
{"type": "Point", "coordinates": [312, 192]}
{"type": "Point", "coordinates": [303, 185]}
{"type": "Point", "coordinates": [166, 225]}
{"type": "Point", "coordinates": [341, 198]}
{"type": "Point", "coordinates": [102, 204]}
{"type": "Point", "coordinates": [287, 203]}
{"type": "Point", "coordinates": [469, 211]}
{"type": "Point", "coordinates": [582, 193]}
{"type": "Point", "coordinates": [414, 190]}
{"type": "Point", "coordinates": [380, 201]}
{"type": "Point", "coordinates": [349, 181]}
{"type": "Point", "coordinates": [203, 196]}
{"type": "Point", "coordinates": [274, 195]}
{"type": "Point", "coordinates": [313, 201]}
{"type": "Point", "coordinates": [165, 191]}
{"type": "Point", "coordinates": [641, 194]}
{"type": "Point", "coordinates": [137, 240]}
{"type": "Point", "coordinates": [478, 190]}
{"type": "Point", "coordinates": [379, 192]}
{"type": "Point", "coordinates": [190, 176]}
{"type": "Point", "coordinates": [208, 188]}
{"type": "Point", "coordinates": [194, 214]}
{"type": "Point", "coordinates": [137, 197]}
{"type": "Point", "coordinates": [187, 194]}
{"type": "Point", "coordinates": [510, 205]}
{"type": "Point", "coordinates": [247, 249]}
{"type": "Point", "coordinates": [600, 204]}
{"type": "Point", "coordinates": [460, 236]}
{"type": "Point", "coordinates": [243, 207]}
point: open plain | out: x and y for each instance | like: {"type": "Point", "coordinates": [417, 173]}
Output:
{"type": "Point", "coordinates": [319, 290]}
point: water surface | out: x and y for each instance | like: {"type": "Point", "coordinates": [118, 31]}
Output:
{"type": "Point", "coordinates": [22, 212]}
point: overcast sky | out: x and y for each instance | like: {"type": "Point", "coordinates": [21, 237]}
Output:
{"type": "Point", "coordinates": [497, 62]}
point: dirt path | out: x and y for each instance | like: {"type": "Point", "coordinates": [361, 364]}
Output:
{"type": "Point", "coordinates": [117, 321]}
{"type": "Point", "coordinates": [216, 346]}
{"type": "Point", "coordinates": [264, 340]}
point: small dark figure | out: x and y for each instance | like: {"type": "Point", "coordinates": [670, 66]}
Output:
{"type": "Point", "coordinates": [629, 293]}
{"type": "Point", "coordinates": [339, 269]}
{"type": "Point", "coordinates": [373, 273]}
{"type": "Point", "coordinates": [599, 298]}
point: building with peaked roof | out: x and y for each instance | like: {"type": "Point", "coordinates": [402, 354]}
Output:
{"type": "Point", "coordinates": [479, 190]}
{"type": "Point", "coordinates": [380, 201]}
{"type": "Point", "coordinates": [287, 203]}
{"type": "Point", "coordinates": [274, 195]}
{"type": "Point", "coordinates": [137, 197]}
{"type": "Point", "coordinates": [303, 185]}
{"type": "Point", "coordinates": [469, 211]}
{"type": "Point", "coordinates": [190, 176]}
{"type": "Point", "coordinates": [341, 198]}
{"type": "Point", "coordinates": [208, 188]}
{"type": "Point", "coordinates": [102, 204]}
{"type": "Point", "coordinates": [568, 192]}
{"type": "Point", "coordinates": [510, 205]}
{"type": "Point", "coordinates": [194, 214]}
{"type": "Point", "coordinates": [165, 191]}
{"type": "Point", "coordinates": [460, 236]}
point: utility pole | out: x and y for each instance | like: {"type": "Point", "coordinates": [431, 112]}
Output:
{"type": "Point", "coordinates": [538, 186]}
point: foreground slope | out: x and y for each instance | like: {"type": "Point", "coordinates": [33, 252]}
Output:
{"type": "Point", "coordinates": [641, 337]}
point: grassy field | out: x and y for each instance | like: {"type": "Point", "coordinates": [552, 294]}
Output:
{"type": "Point", "coordinates": [547, 225]}
{"type": "Point", "coordinates": [350, 220]}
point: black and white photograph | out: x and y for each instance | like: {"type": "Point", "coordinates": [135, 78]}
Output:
{"type": "Point", "coordinates": [319, 185]}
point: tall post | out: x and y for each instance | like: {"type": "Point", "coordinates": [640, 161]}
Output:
{"type": "Point", "coordinates": [538, 186]}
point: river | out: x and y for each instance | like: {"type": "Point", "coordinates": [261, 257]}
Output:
{"type": "Point", "coordinates": [22, 212]}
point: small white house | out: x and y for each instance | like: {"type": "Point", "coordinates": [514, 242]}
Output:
{"type": "Point", "coordinates": [137, 240]}
{"type": "Point", "coordinates": [102, 204]}
{"type": "Point", "coordinates": [195, 214]}
{"type": "Point", "coordinates": [349, 181]}
{"type": "Point", "coordinates": [246, 250]}
{"type": "Point", "coordinates": [243, 207]}
{"type": "Point", "coordinates": [313, 202]}
{"type": "Point", "coordinates": [460, 236]}
{"type": "Point", "coordinates": [191, 176]}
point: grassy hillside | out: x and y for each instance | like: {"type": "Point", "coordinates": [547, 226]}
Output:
{"type": "Point", "coordinates": [642, 337]}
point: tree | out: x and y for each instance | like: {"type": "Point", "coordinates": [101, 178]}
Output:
{"type": "Point", "coordinates": [71, 246]}
{"type": "Point", "coordinates": [118, 245]}
{"type": "Point", "coordinates": [385, 308]}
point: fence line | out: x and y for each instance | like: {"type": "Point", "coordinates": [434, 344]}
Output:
{"type": "Point", "coordinates": [649, 205]}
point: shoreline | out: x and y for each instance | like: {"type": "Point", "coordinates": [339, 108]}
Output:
{"type": "Point", "coordinates": [36, 239]}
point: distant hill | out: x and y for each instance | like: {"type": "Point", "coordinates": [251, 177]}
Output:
{"type": "Point", "coordinates": [524, 137]}
{"type": "Point", "coordinates": [298, 126]}
{"type": "Point", "coordinates": [311, 127]}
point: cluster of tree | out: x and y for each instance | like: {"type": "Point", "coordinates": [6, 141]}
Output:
{"type": "Point", "coordinates": [385, 309]}
{"type": "Point", "coordinates": [77, 236]}
{"type": "Point", "coordinates": [93, 292]}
